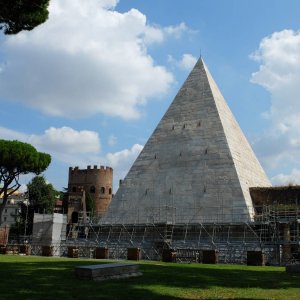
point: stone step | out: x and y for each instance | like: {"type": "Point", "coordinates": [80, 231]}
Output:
{"type": "Point", "coordinates": [108, 271]}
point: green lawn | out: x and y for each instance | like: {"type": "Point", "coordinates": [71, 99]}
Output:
{"type": "Point", "coordinates": [53, 278]}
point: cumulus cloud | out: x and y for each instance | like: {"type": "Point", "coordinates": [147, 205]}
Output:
{"type": "Point", "coordinates": [76, 148]}
{"type": "Point", "coordinates": [187, 61]}
{"type": "Point", "coordinates": [279, 73]}
{"type": "Point", "coordinates": [66, 139]}
{"type": "Point", "coordinates": [87, 58]}
{"type": "Point", "coordinates": [176, 31]}
{"type": "Point", "coordinates": [153, 35]}
{"type": "Point", "coordinates": [286, 179]}
{"type": "Point", "coordinates": [65, 144]}
{"type": "Point", "coordinates": [122, 161]}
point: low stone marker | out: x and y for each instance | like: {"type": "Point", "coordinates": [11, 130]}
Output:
{"type": "Point", "coordinates": [134, 253]}
{"type": "Point", "coordinates": [73, 252]}
{"type": "Point", "coordinates": [108, 271]}
{"type": "Point", "coordinates": [25, 249]}
{"type": "Point", "coordinates": [169, 255]}
{"type": "Point", "coordinates": [293, 268]}
{"type": "Point", "coordinates": [210, 256]}
{"type": "Point", "coordinates": [255, 258]}
{"type": "Point", "coordinates": [101, 253]}
{"type": "Point", "coordinates": [47, 250]}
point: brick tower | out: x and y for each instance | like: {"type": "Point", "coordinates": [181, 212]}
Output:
{"type": "Point", "coordinates": [95, 183]}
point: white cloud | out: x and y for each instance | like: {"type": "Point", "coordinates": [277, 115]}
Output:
{"type": "Point", "coordinates": [157, 34]}
{"type": "Point", "coordinates": [286, 179]}
{"type": "Point", "coordinates": [128, 155]}
{"type": "Point", "coordinates": [154, 35]}
{"type": "Point", "coordinates": [108, 3]}
{"type": "Point", "coordinates": [86, 59]}
{"type": "Point", "coordinates": [279, 73]}
{"type": "Point", "coordinates": [122, 161]}
{"type": "Point", "coordinates": [76, 148]}
{"type": "Point", "coordinates": [176, 31]}
{"type": "Point", "coordinates": [187, 61]}
{"type": "Point", "coordinates": [67, 140]}
{"type": "Point", "coordinates": [64, 144]}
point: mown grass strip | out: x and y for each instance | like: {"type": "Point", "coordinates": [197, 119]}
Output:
{"type": "Point", "coordinates": [53, 278]}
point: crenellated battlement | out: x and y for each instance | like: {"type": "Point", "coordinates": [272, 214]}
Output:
{"type": "Point", "coordinates": [91, 169]}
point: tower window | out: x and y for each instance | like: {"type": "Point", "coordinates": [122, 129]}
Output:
{"type": "Point", "coordinates": [102, 190]}
{"type": "Point", "coordinates": [74, 189]}
{"type": "Point", "coordinates": [109, 191]}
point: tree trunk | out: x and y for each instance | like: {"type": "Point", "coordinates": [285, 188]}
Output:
{"type": "Point", "coordinates": [2, 205]}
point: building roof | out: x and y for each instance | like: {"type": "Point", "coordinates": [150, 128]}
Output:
{"type": "Point", "coordinates": [289, 194]}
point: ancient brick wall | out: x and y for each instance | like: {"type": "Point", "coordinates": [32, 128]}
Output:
{"type": "Point", "coordinates": [97, 182]}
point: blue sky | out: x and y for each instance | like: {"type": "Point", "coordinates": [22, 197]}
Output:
{"type": "Point", "coordinates": [90, 85]}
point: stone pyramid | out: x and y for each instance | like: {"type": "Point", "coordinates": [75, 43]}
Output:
{"type": "Point", "coordinates": [197, 166]}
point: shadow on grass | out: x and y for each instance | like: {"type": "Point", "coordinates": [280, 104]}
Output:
{"type": "Point", "coordinates": [42, 278]}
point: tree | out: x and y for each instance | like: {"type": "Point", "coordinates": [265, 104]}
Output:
{"type": "Point", "coordinates": [17, 15]}
{"type": "Point", "coordinates": [63, 195]}
{"type": "Point", "coordinates": [18, 158]}
{"type": "Point", "coordinates": [41, 198]}
{"type": "Point", "coordinates": [41, 195]}
{"type": "Point", "coordinates": [24, 222]}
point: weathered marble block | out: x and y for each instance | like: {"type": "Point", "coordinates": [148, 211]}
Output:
{"type": "Point", "coordinates": [295, 268]}
{"type": "Point", "coordinates": [107, 271]}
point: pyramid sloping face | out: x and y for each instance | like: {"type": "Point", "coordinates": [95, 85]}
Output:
{"type": "Point", "coordinates": [197, 166]}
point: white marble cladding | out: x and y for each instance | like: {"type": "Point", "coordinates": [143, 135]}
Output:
{"type": "Point", "coordinates": [49, 230]}
{"type": "Point", "coordinates": [197, 166]}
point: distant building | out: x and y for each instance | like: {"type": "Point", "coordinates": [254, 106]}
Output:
{"type": "Point", "coordinates": [11, 210]}
{"type": "Point", "coordinates": [10, 213]}
{"type": "Point", "coordinates": [93, 184]}
{"type": "Point", "coordinates": [58, 207]}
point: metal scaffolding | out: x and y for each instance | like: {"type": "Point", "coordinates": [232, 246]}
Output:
{"type": "Point", "coordinates": [274, 232]}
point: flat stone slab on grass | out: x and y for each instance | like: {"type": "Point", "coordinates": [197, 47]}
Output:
{"type": "Point", "coordinates": [295, 268]}
{"type": "Point", "coordinates": [108, 271]}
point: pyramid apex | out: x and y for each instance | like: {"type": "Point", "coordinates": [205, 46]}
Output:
{"type": "Point", "coordinates": [200, 61]}
{"type": "Point", "coordinates": [197, 166]}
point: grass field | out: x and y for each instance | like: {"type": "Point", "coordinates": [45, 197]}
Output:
{"type": "Point", "coordinates": [53, 278]}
